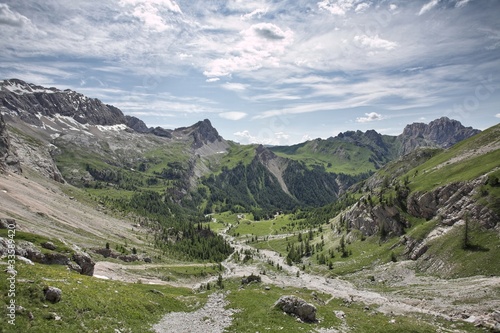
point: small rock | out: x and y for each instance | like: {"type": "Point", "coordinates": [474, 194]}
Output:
{"type": "Point", "coordinates": [20, 309]}
{"type": "Point", "coordinates": [52, 316]}
{"type": "Point", "coordinates": [496, 316]}
{"type": "Point", "coordinates": [154, 291]}
{"type": "Point", "coordinates": [25, 260]}
{"type": "Point", "coordinates": [339, 314]}
{"type": "Point", "coordinates": [30, 316]}
{"type": "Point", "coordinates": [267, 288]}
{"type": "Point", "coordinates": [7, 223]}
{"type": "Point", "coordinates": [74, 266]}
{"type": "Point", "coordinates": [49, 246]}
{"type": "Point", "coordinates": [52, 294]}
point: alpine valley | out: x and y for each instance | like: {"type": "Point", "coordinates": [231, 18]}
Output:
{"type": "Point", "coordinates": [138, 229]}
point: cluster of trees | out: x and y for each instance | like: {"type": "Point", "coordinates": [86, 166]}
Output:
{"type": "Point", "coordinates": [116, 176]}
{"type": "Point", "coordinates": [177, 231]}
{"type": "Point", "coordinates": [250, 188]}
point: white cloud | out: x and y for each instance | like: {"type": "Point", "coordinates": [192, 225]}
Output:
{"type": "Point", "coordinates": [393, 7]}
{"type": "Point", "coordinates": [374, 42]}
{"type": "Point", "coordinates": [497, 115]}
{"type": "Point", "coordinates": [264, 137]}
{"type": "Point", "coordinates": [336, 7]}
{"type": "Point", "coordinates": [8, 17]}
{"type": "Point", "coordinates": [245, 137]}
{"type": "Point", "coordinates": [233, 115]}
{"type": "Point", "coordinates": [461, 3]}
{"type": "Point", "coordinates": [362, 7]}
{"type": "Point", "coordinates": [428, 6]}
{"type": "Point", "coordinates": [372, 116]}
{"type": "Point", "coordinates": [261, 45]}
{"type": "Point", "coordinates": [213, 79]}
{"type": "Point", "coordinates": [168, 4]}
{"type": "Point", "coordinates": [306, 137]}
{"type": "Point", "coordinates": [258, 13]}
{"type": "Point", "coordinates": [234, 86]}
{"type": "Point", "coordinates": [152, 12]}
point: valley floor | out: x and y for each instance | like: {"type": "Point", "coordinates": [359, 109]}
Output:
{"type": "Point", "coordinates": [392, 289]}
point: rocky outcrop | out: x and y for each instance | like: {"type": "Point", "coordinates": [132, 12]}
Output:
{"type": "Point", "coordinates": [451, 203]}
{"type": "Point", "coordinates": [79, 261]}
{"type": "Point", "coordinates": [137, 125]}
{"type": "Point", "coordinates": [8, 157]}
{"type": "Point", "coordinates": [442, 132]}
{"type": "Point", "coordinates": [297, 307]}
{"type": "Point", "coordinates": [379, 219]}
{"type": "Point", "coordinates": [85, 262]}
{"type": "Point", "coordinates": [7, 223]}
{"type": "Point", "coordinates": [37, 156]}
{"type": "Point", "coordinates": [414, 249]}
{"type": "Point", "coordinates": [159, 131]}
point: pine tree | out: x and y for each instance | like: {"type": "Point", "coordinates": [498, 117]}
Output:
{"type": "Point", "coordinates": [220, 283]}
{"type": "Point", "coordinates": [466, 237]}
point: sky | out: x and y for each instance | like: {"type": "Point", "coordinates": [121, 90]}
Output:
{"type": "Point", "coordinates": [270, 72]}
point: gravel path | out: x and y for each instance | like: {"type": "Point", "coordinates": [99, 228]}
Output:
{"type": "Point", "coordinates": [212, 318]}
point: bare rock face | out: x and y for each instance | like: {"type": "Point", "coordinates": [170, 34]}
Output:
{"type": "Point", "coordinates": [298, 307]}
{"type": "Point", "coordinates": [442, 132]}
{"type": "Point", "coordinates": [8, 157]}
{"type": "Point", "coordinates": [370, 220]}
{"type": "Point", "coordinates": [451, 203]}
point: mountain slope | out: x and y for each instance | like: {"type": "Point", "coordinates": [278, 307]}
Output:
{"type": "Point", "coordinates": [434, 202]}
{"type": "Point", "coordinates": [356, 152]}
{"type": "Point", "coordinates": [70, 137]}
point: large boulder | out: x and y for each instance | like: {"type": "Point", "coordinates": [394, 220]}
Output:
{"type": "Point", "coordinates": [85, 262]}
{"type": "Point", "coordinates": [297, 307]}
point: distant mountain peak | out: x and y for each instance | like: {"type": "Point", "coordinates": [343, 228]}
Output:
{"type": "Point", "coordinates": [443, 132]}
{"type": "Point", "coordinates": [203, 133]}
{"type": "Point", "coordinates": [21, 87]}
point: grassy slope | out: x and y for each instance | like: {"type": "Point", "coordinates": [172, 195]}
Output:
{"type": "Point", "coordinates": [258, 315]}
{"type": "Point", "coordinates": [334, 156]}
{"type": "Point", "coordinates": [89, 304]}
{"type": "Point", "coordinates": [442, 168]}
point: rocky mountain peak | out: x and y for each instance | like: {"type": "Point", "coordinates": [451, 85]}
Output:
{"type": "Point", "coordinates": [442, 132]}
{"type": "Point", "coordinates": [203, 133]}
{"type": "Point", "coordinates": [264, 154]}
{"type": "Point", "coordinates": [30, 102]}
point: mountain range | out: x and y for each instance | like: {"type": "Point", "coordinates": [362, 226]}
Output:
{"type": "Point", "coordinates": [73, 133]}
{"type": "Point", "coordinates": [408, 220]}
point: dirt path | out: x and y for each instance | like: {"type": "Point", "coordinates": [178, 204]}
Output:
{"type": "Point", "coordinates": [449, 299]}
{"type": "Point", "coordinates": [212, 318]}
